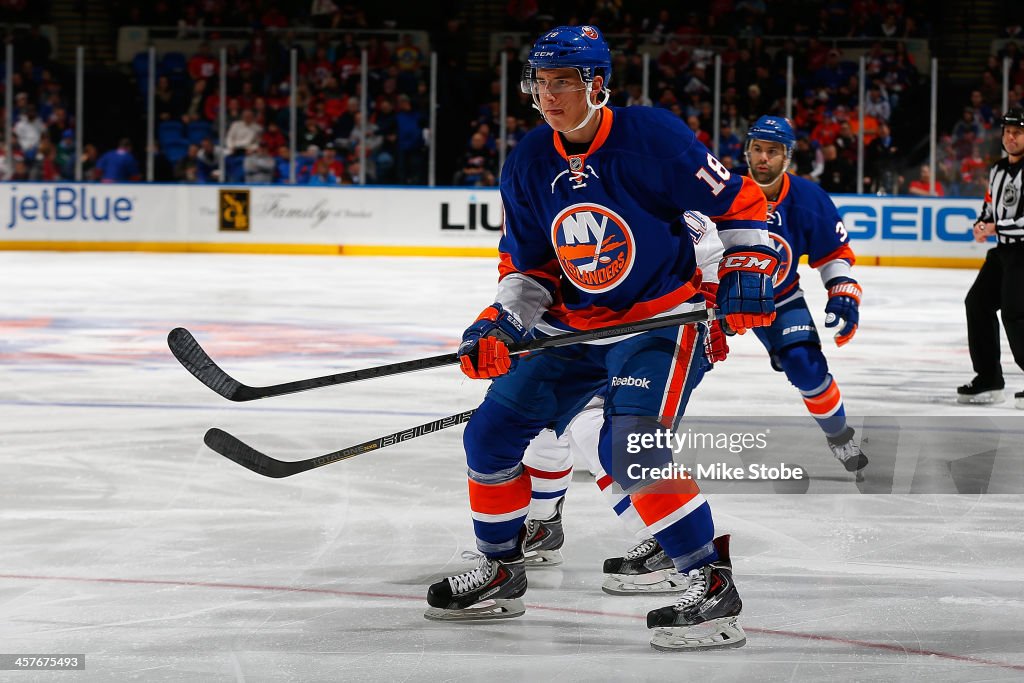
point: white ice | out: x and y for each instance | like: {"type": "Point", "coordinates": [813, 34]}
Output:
{"type": "Point", "coordinates": [124, 538]}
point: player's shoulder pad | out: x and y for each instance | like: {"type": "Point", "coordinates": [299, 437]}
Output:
{"type": "Point", "coordinates": [650, 131]}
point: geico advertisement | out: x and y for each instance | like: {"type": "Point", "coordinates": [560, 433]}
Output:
{"type": "Point", "coordinates": [910, 226]}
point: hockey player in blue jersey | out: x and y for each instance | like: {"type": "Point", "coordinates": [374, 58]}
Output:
{"type": "Point", "coordinates": [803, 221]}
{"type": "Point", "coordinates": [592, 237]}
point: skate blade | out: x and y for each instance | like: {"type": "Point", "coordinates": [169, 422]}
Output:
{"type": "Point", "coordinates": [1019, 403]}
{"type": "Point", "coordinates": [538, 559]}
{"type": "Point", "coordinates": [661, 582]}
{"type": "Point", "coordinates": [716, 634]}
{"type": "Point", "coordinates": [489, 609]}
{"type": "Point", "coordinates": [982, 399]}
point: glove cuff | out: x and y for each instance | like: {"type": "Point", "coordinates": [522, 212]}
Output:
{"type": "Point", "coordinates": [844, 286]}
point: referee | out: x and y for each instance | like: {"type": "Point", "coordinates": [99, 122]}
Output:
{"type": "Point", "coordinates": [1000, 282]}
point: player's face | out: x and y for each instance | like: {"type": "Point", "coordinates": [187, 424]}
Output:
{"type": "Point", "coordinates": [562, 97]}
{"type": "Point", "coordinates": [1013, 140]}
{"type": "Point", "coordinates": [767, 160]}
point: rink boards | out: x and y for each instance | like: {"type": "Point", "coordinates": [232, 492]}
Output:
{"type": "Point", "coordinates": [397, 221]}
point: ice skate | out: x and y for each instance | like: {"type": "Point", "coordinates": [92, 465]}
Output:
{"type": "Point", "coordinates": [491, 590]}
{"type": "Point", "coordinates": [847, 451]}
{"type": "Point", "coordinates": [980, 392]}
{"type": "Point", "coordinates": [1018, 400]}
{"type": "Point", "coordinates": [645, 569]}
{"type": "Point", "coordinates": [704, 617]}
{"type": "Point", "coordinates": [544, 539]}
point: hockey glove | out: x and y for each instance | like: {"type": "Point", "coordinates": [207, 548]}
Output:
{"type": "Point", "coordinates": [484, 348]}
{"type": "Point", "coordinates": [843, 304]}
{"type": "Point", "coordinates": [746, 296]}
{"type": "Point", "coordinates": [716, 348]}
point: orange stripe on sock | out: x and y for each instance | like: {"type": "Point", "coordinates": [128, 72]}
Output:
{"type": "Point", "coordinates": [825, 402]}
{"type": "Point", "coordinates": [499, 499]}
{"type": "Point", "coordinates": [661, 499]}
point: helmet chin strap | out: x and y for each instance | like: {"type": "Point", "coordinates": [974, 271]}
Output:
{"type": "Point", "coordinates": [591, 108]}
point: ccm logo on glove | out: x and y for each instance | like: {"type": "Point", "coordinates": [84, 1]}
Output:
{"type": "Point", "coordinates": [750, 262]}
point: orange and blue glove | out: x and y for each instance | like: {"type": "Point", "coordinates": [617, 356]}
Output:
{"type": "Point", "coordinates": [746, 296]}
{"type": "Point", "coordinates": [483, 352]}
{"type": "Point", "coordinates": [844, 296]}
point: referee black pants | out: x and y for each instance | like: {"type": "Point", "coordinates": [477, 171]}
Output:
{"type": "Point", "coordinates": [998, 287]}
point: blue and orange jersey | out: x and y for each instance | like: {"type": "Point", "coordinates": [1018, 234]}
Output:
{"type": "Point", "coordinates": [803, 221]}
{"type": "Point", "coordinates": [604, 231]}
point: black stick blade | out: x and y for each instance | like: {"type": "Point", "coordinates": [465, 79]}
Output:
{"type": "Point", "coordinates": [194, 359]}
{"type": "Point", "coordinates": [247, 456]}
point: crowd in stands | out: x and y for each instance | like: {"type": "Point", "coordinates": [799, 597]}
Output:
{"type": "Point", "coordinates": [683, 42]}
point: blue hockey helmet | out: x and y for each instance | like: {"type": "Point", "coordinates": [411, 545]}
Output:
{"type": "Point", "coordinates": [578, 47]}
{"type": "Point", "coordinates": [773, 129]}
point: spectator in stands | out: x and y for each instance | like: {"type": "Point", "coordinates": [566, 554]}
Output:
{"type": "Point", "coordinates": [838, 174]}
{"type": "Point", "coordinates": [808, 160]}
{"type": "Point", "coordinates": [478, 166]}
{"type": "Point", "coordinates": [983, 113]}
{"type": "Point", "coordinates": [66, 154]}
{"type": "Point", "coordinates": [119, 165]}
{"type": "Point", "coordinates": [878, 103]}
{"type": "Point", "coordinates": [89, 159]}
{"type": "Point", "coordinates": [259, 165]}
{"type": "Point", "coordinates": [194, 107]}
{"type": "Point", "coordinates": [21, 170]}
{"type": "Point", "coordinates": [408, 57]}
{"type": "Point", "coordinates": [282, 165]}
{"type": "Point", "coordinates": [409, 143]}
{"type": "Point", "coordinates": [673, 57]}
{"type": "Point", "coordinates": [166, 100]}
{"type": "Point", "coordinates": [974, 174]}
{"type": "Point", "coordinates": [882, 162]}
{"type": "Point", "coordinates": [694, 123]}
{"type": "Point", "coordinates": [922, 186]}
{"type": "Point", "coordinates": [321, 174]}
{"type": "Point", "coordinates": [729, 143]}
{"type": "Point", "coordinates": [43, 166]}
{"type": "Point", "coordinates": [305, 164]}
{"type": "Point", "coordinates": [208, 161]}
{"type": "Point", "coordinates": [203, 65]}
{"type": "Point", "coordinates": [29, 130]}
{"type": "Point", "coordinates": [967, 134]}
{"type": "Point", "coordinates": [187, 168]}
{"type": "Point", "coordinates": [334, 164]}
{"type": "Point", "coordinates": [311, 135]}
{"type": "Point", "coordinates": [57, 124]}
{"type": "Point", "coordinates": [243, 133]}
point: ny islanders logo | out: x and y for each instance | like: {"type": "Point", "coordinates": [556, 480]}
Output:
{"type": "Point", "coordinates": [780, 245]}
{"type": "Point", "coordinates": [589, 32]}
{"type": "Point", "coordinates": [594, 245]}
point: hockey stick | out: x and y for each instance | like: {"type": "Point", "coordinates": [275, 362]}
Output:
{"type": "Point", "coordinates": [247, 456]}
{"type": "Point", "coordinates": [192, 356]}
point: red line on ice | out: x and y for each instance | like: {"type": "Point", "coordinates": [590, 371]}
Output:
{"type": "Point", "coordinates": [597, 613]}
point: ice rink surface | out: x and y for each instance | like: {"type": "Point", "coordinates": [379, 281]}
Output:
{"type": "Point", "coordinates": [124, 538]}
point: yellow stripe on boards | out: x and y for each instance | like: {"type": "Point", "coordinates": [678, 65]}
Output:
{"type": "Point", "coordinates": [390, 250]}
{"type": "Point", "coordinates": [249, 248]}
